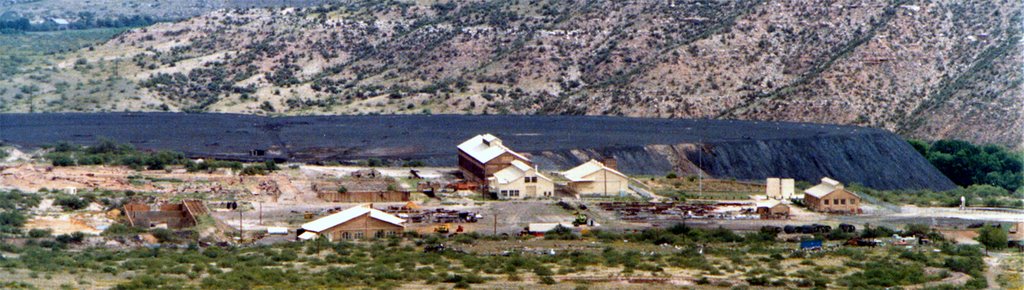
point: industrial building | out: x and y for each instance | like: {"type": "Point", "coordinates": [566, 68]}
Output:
{"type": "Point", "coordinates": [830, 196]}
{"type": "Point", "coordinates": [519, 181]}
{"type": "Point", "coordinates": [358, 222]}
{"type": "Point", "coordinates": [597, 178]}
{"type": "Point", "coordinates": [483, 155]}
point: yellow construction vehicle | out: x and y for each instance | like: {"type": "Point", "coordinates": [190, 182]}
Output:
{"type": "Point", "coordinates": [443, 229]}
{"type": "Point", "coordinates": [581, 219]}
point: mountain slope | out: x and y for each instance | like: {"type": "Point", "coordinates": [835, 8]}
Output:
{"type": "Point", "coordinates": [930, 69]}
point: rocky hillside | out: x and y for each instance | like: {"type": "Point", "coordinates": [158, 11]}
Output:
{"type": "Point", "coordinates": [929, 69]}
{"type": "Point", "coordinates": [75, 10]}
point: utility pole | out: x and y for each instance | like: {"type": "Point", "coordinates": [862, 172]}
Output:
{"type": "Point", "coordinates": [700, 167]}
{"type": "Point", "coordinates": [240, 229]}
{"type": "Point", "coordinates": [261, 212]}
{"type": "Point", "coordinates": [495, 224]}
{"type": "Point", "coordinates": [604, 172]}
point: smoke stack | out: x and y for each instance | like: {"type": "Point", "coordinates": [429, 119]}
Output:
{"type": "Point", "coordinates": [610, 163]}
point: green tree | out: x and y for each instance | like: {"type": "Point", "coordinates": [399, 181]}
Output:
{"type": "Point", "coordinates": [992, 237]}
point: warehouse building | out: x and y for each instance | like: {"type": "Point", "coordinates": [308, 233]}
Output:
{"type": "Point", "coordinates": [830, 196]}
{"type": "Point", "coordinates": [519, 181]}
{"type": "Point", "coordinates": [483, 155]}
{"type": "Point", "coordinates": [358, 222]}
{"type": "Point", "coordinates": [597, 178]}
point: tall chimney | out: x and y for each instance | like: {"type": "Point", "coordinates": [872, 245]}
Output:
{"type": "Point", "coordinates": [610, 163]}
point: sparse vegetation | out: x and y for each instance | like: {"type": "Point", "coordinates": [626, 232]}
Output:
{"type": "Point", "coordinates": [429, 61]}
{"type": "Point", "coordinates": [395, 262]}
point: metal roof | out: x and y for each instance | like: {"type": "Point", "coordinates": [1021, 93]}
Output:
{"type": "Point", "coordinates": [341, 217]}
{"type": "Point", "coordinates": [485, 147]}
{"type": "Point", "coordinates": [577, 173]}
{"type": "Point", "coordinates": [768, 203]}
{"type": "Point", "coordinates": [826, 186]}
{"type": "Point", "coordinates": [515, 172]}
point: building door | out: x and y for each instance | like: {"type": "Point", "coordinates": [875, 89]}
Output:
{"type": "Point", "coordinates": [531, 190]}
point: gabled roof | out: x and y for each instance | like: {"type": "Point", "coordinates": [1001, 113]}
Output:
{"type": "Point", "coordinates": [826, 187]}
{"type": "Point", "coordinates": [515, 172]}
{"type": "Point", "coordinates": [341, 217]}
{"type": "Point", "coordinates": [485, 147]}
{"type": "Point", "coordinates": [819, 190]}
{"type": "Point", "coordinates": [768, 203]}
{"type": "Point", "coordinates": [578, 173]}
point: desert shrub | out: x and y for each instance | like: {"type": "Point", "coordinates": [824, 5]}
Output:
{"type": "Point", "coordinates": [560, 233]}
{"type": "Point", "coordinates": [976, 283]}
{"type": "Point", "coordinates": [413, 163]}
{"type": "Point", "coordinates": [71, 203]}
{"type": "Point", "coordinates": [118, 229]}
{"type": "Point", "coordinates": [17, 200]}
{"type": "Point", "coordinates": [145, 281]}
{"type": "Point", "coordinates": [875, 232]}
{"type": "Point", "coordinates": [11, 221]}
{"type": "Point", "coordinates": [971, 265]}
{"type": "Point", "coordinates": [164, 235]}
{"type": "Point", "coordinates": [72, 238]}
{"type": "Point", "coordinates": [39, 233]}
{"type": "Point", "coordinates": [885, 274]}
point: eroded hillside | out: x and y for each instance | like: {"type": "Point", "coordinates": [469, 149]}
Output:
{"type": "Point", "coordinates": [932, 69]}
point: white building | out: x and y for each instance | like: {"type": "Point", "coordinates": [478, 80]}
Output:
{"type": "Point", "coordinates": [520, 180]}
{"type": "Point", "coordinates": [595, 178]}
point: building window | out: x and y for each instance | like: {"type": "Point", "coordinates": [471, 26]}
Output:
{"type": "Point", "coordinates": [826, 202]}
{"type": "Point", "coordinates": [379, 234]}
{"type": "Point", "coordinates": [513, 193]}
{"type": "Point", "coordinates": [504, 193]}
{"type": "Point", "coordinates": [359, 235]}
{"type": "Point", "coordinates": [346, 236]}
{"type": "Point", "coordinates": [843, 201]}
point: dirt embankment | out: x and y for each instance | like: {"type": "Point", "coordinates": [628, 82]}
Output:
{"type": "Point", "coordinates": [725, 149]}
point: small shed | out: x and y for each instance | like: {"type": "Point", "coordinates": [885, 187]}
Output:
{"type": "Point", "coordinates": [772, 210]}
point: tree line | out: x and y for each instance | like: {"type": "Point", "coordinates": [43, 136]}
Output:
{"type": "Point", "coordinates": [84, 20]}
{"type": "Point", "coordinates": [968, 164]}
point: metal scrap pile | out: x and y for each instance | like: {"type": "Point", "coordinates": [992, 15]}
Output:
{"type": "Point", "coordinates": [659, 210]}
{"type": "Point", "coordinates": [437, 215]}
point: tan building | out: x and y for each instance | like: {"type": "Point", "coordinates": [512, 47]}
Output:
{"type": "Point", "coordinates": [830, 196]}
{"type": "Point", "coordinates": [594, 178]}
{"type": "Point", "coordinates": [772, 209]}
{"type": "Point", "coordinates": [520, 181]}
{"type": "Point", "coordinates": [358, 222]}
{"type": "Point", "coordinates": [483, 155]}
